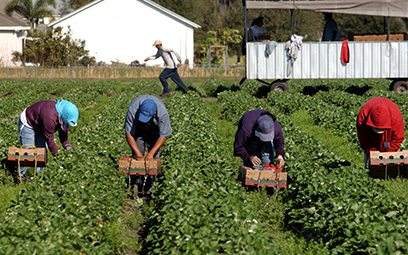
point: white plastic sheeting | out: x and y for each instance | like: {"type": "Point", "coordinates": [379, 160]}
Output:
{"type": "Point", "coordinates": [322, 60]}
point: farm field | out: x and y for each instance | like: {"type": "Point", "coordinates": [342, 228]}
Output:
{"type": "Point", "coordinates": [81, 204]}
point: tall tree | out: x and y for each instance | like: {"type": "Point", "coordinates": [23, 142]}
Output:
{"type": "Point", "coordinates": [68, 6]}
{"type": "Point", "coordinates": [203, 12]}
{"type": "Point", "coordinates": [32, 10]}
{"type": "Point", "coordinates": [356, 24]}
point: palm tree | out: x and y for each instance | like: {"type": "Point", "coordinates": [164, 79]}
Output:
{"type": "Point", "coordinates": [32, 10]}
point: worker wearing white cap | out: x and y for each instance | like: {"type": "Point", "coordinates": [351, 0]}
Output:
{"type": "Point", "coordinates": [170, 71]}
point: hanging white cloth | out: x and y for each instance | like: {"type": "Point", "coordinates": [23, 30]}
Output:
{"type": "Point", "coordinates": [292, 49]}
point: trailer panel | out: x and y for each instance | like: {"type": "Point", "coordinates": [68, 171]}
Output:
{"type": "Point", "coordinates": [322, 60]}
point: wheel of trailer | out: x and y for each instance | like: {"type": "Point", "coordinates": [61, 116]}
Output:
{"type": "Point", "coordinates": [279, 86]}
{"type": "Point", "coordinates": [400, 86]}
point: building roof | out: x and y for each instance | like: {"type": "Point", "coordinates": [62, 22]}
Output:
{"type": "Point", "coordinates": [14, 22]}
{"type": "Point", "coordinates": [148, 2]}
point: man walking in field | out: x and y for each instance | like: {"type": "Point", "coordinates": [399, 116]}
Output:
{"type": "Point", "coordinates": [170, 71]}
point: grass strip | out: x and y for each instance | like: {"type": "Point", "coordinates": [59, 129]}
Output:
{"type": "Point", "coordinates": [338, 144]}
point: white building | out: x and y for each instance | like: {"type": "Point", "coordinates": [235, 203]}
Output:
{"type": "Point", "coordinates": [12, 35]}
{"type": "Point", "coordinates": [124, 30]}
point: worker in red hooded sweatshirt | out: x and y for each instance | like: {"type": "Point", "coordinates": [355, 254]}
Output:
{"type": "Point", "coordinates": [380, 127]}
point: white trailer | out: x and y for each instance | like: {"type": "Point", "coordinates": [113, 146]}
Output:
{"type": "Point", "coordinates": [322, 60]}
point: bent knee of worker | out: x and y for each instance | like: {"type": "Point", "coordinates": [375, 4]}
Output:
{"type": "Point", "coordinates": [162, 78]}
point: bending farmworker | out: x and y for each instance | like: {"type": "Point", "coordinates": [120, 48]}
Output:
{"type": "Point", "coordinates": [40, 121]}
{"type": "Point", "coordinates": [258, 136]}
{"type": "Point", "coordinates": [380, 127]}
{"type": "Point", "coordinates": [147, 125]}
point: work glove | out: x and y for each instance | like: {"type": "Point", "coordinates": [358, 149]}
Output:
{"type": "Point", "coordinates": [68, 146]}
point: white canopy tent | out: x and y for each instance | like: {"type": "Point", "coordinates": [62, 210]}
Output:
{"type": "Point", "coordinates": [386, 8]}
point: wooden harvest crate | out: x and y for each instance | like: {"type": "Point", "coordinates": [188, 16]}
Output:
{"type": "Point", "coordinates": [268, 178]}
{"type": "Point", "coordinates": [384, 165]}
{"type": "Point", "coordinates": [132, 166]}
{"type": "Point", "coordinates": [28, 156]}
{"type": "Point", "coordinates": [378, 37]}
{"type": "Point", "coordinates": [153, 167]}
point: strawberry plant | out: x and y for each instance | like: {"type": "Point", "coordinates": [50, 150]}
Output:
{"type": "Point", "coordinates": [329, 200]}
{"type": "Point", "coordinates": [197, 205]}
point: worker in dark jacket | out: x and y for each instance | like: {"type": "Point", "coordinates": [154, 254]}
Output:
{"type": "Point", "coordinates": [259, 135]}
{"type": "Point", "coordinates": [380, 126]}
{"type": "Point", "coordinates": [40, 121]}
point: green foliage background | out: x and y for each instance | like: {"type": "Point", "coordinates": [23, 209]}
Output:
{"type": "Point", "coordinates": [54, 48]}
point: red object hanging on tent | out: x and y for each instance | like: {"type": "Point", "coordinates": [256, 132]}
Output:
{"type": "Point", "coordinates": [345, 52]}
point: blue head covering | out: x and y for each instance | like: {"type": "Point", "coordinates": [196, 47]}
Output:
{"type": "Point", "coordinates": [67, 111]}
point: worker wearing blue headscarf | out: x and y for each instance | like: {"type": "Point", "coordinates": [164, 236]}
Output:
{"type": "Point", "coordinates": [40, 121]}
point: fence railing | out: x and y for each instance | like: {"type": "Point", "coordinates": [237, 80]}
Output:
{"type": "Point", "coordinates": [109, 71]}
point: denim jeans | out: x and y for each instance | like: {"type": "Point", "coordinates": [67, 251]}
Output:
{"type": "Point", "coordinates": [262, 150]}
{"type": "Point", "coordinates": [30, 136]}
{"type": "Point", "coordinates": [366, 159]}
{"type": "Point", "coordinates": [171, 73]}
{"type": "Point", "coordinates": [143, 140]}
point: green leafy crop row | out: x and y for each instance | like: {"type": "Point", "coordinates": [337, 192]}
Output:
{"type": "Point", "coordinates": [67, 207]}
{"type": "Point", "coordinates": [329, 200]}
{"type": "Point", "coordinates": [198, 206]}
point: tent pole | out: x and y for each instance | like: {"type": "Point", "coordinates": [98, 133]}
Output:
{"type": "Point", "coordinates": [292, 13]}
{"type": "Point", "coordinates": [384, 24]}
{"type": "Point", "coordinates": [246, 39]}
{"type": "Point", "coordinates": [246, 24]}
